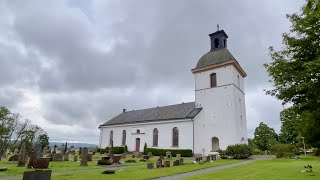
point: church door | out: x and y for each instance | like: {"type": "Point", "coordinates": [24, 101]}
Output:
{"type": "Point", "coordinates": [138, 144]}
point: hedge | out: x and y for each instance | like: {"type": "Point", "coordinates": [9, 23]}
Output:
{"type": "Point", "coordinates": [174, 152]}
{"type": "Point", "coordinates": [237, 151]}
{"type": "Point", "coordinates": [285, 150]}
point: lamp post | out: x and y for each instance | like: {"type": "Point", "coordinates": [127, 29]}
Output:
{"type": "Point", "coordinates": [304, 147]}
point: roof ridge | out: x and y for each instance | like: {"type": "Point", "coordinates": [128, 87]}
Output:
{"type": "Point", "coordinates": [162, 106]}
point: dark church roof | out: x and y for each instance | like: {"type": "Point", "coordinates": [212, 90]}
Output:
{"type": "Point", "coordinates": [172, 112]}
{"type": "Point", "coordinates": [215, 57]}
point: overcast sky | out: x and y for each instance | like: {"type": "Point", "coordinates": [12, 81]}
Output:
{"type": "Point", "coordinates": [70, 65]}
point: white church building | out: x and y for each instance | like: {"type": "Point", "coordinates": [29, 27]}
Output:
{"type": "Point", "coordinates": [215, 120]}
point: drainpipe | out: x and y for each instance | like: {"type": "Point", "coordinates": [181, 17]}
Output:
{"type": "Point", "coordinates": [193, 136]}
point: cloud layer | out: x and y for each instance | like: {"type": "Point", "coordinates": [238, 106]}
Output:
{"type": "Point", "coordinates": [71, 65]}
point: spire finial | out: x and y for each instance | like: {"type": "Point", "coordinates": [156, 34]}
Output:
{"type": "Point", "coordinates": [218, 27]}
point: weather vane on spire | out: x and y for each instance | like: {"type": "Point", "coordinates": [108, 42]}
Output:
{"type": "Point", "coordinates": [218, 27]}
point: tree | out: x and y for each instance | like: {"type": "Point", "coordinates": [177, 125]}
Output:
{"type": "Point", "coordinates": [7, 123]}
{"type": "Point", "coordinates": [295, 70]}
{"type": "Point", "coordinates": [289, 131]}
{"type": "Point", "coordinates": [44, 139]}
{"type": "Point", "coordinates": [265, 137]}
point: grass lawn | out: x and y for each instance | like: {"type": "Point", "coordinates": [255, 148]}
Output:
{"type": "Point", "coordinates": [267, 169]}
{"type": "Point", "coordinates": [140, 172]}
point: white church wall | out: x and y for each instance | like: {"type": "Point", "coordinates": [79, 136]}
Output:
{"type": "Point", "coordinates": [146, 134]}
{"type": "Point", "coordinates": [224, 76]}
{"type": "Point", "coordinates": [221, 113]}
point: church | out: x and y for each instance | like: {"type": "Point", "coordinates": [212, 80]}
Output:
{"type": "Point", "coordinates": [215, 120]}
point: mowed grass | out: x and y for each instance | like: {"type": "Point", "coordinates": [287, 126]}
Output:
{"type": "Point", "coordinates": [284, 169]}
{"type": "Point", "coordinates": [140, 172]}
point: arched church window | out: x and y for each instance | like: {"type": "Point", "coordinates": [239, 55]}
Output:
{"type": "Point", "coordinates": [155, 137]}
{"type": "Point", "coordinates": [175, 137]}
{"type": "Point", "coordinates": [111, 138]}
{"type": "Point", "coordinates": [213, 80]}
{"type": "Point", "coordinates": [138, 131]}
{"type": "Point", "coordinates": [216, 43]}
{"type": "Point", "coordinates": [215, 144]}
{"type": "Point", "coordinates": [124, 137]}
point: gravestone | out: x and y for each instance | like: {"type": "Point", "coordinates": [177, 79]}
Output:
{"type": "Point", "coordinates": [213, 157]}
{"type": "Point", "coordinates": [3, 168]}
{"type": "Point", "coordinates": [84, 157]}
{"type": "Point", "coordinates": [38, 163]}
{"type": "Point", "coordinates": [116, 158]}
{"type": "Point", "coordinates": [133, 156]}
{"type": "Point", "coordinates": [159, 163]}
{"type": "Point", "coordinates": [57, 157]}
{"type": "Point", "coordinates": [150, 165]}
{"type": "Point", "coordinates": [105, 158]}
{"type": "Point", "coordinates": [145, 157]}
{"type": "Point", "coordinates": [38, 150]}
{"type": "Point", "coordinates": [66, 156]}
{"type": "Point", "coordinates": [80, 151]}
{"type": "Point", "coordinates": [54, 149]}
{"type": "Point", "coordinates": [176, 162]}
{"type": "Point", "coordinates": [178, 156]}
{"type": "Point", "coordinates": [109, 171]}
{"type": "Point", "coordinates": [166, 163]}
{"type": "Point", "coordinates": [197, 159]}
{"type": "Point", "coordinates": [161, 157]}
{"type": "Point", "coordinates": [150, 154]}
{"type": "Point", "coordinates": [75, 158]}
{"type": "Point", "coordinates": [45, 151]}
{"type": "Point", "coordinates": [168, 155]}
{"type": "Point", "coordinates": [37, 175]}
{"type": "Point", "coordinates": [89, 157]}
{"type": "Point", "coordinates": [22, 155]}
{"type": "Point", "coordinates": [181, 161]}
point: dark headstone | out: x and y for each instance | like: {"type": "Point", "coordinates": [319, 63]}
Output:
{"type": "Point", "coordinates": [80, 151]}
{"type": "Point", "coordinates": [176, 162]}
{"type": "Point", "coordinates": [57, 157]}
{"type": "Point", "coordinates": [109, 172]}
{"type": "Point", "coordinates": [213, 157]}
{"type": "Point", "coordinates": [146, 157]}
{"type": "Point", "coordinates": [181, 161]}
{"type": "Point", "coordinates": [66, 156]}
{"type": "Point", "coordinates": [41, 163]}
{"type": "Point", "coordinates": [166, 163]}
{"type": "Point", "coordinates": [22, 155]}
{"type": "Point", "coordinates": [15, 157]}
{"type": "Point", "coordinates": [3, 168]}
{"type": "Point", "coordinates": [150, 165]}
{"type": "Point", "coordinates": [105, 158]}
{"type": "Point", "coordinates": [133, 156]}
{"type": "Point", "coordinates": [159, 163]}
{"type": "Point", "coordinates": [37, 175]}
{"type": "Point", "coordinates": [116, 158]}
{"type": "Point", "coordinates": [89, 157]}
{"type": "Point", "coordinates": [208, 158]}
{"type": "Point", "coordinates": [84, 157]}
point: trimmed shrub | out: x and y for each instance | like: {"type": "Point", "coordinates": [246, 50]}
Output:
{"type": "Point", "coordinates": [115, 149]}
{"type": "Point", "coordinates": [257, 152]}
{"type": "Point", "coordinates": [222, 154]}
{"type": "Point", "coordinates": [239, 151]}
{"type": "Point", "coordinates": [104, 162]}
{"type": "Point", "coordinates": [174, 152]}
{"type": "Point", "coordinates": [285, 150]}
{"type": "Point", "coordinates": [130, 161]}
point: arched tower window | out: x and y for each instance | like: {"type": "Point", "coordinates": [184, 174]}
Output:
{"type": "Point", "coordinates": [138, 131]}
{"type": "Point", "coordinates": [213, 80]}
{"type": "Point", "coordinates": [111, 138]}
{"type": "Point", "coordinates": [216, 43]}
{"type": "Point", "coordinates": [215, 144]}
{"type": "Point", "coordinates": [124, 137]}
{"type": "Point", "coordinates": [155, 137]}
{"type": "Point", "coordinates": [175, 137]}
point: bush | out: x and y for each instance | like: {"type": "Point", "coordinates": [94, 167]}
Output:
{"type": "Point", "coordinates": [239, 151]}
{"type": "Point", "coordinates": [256, 152]}
{"type": "Point", "coordinates": [130, 161]}
{"type": "Point", "coordinates": [222, 154]}
{"type": "Point", "coordinates": [174, 152]}
{"type": "Point", "coordinates": [145, 148]}
{"type": "Point", "coordinates": [104, 162]}
{"type": "Point", "coordinates": [115, 149]}
{"type": "Point", "coordinates": [285, 150]}
{"type": "Point", "coordinates": [317, 152]}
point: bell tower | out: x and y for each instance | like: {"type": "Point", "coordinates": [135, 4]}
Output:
{"type": "Point", "coordinates": [219, 91]}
